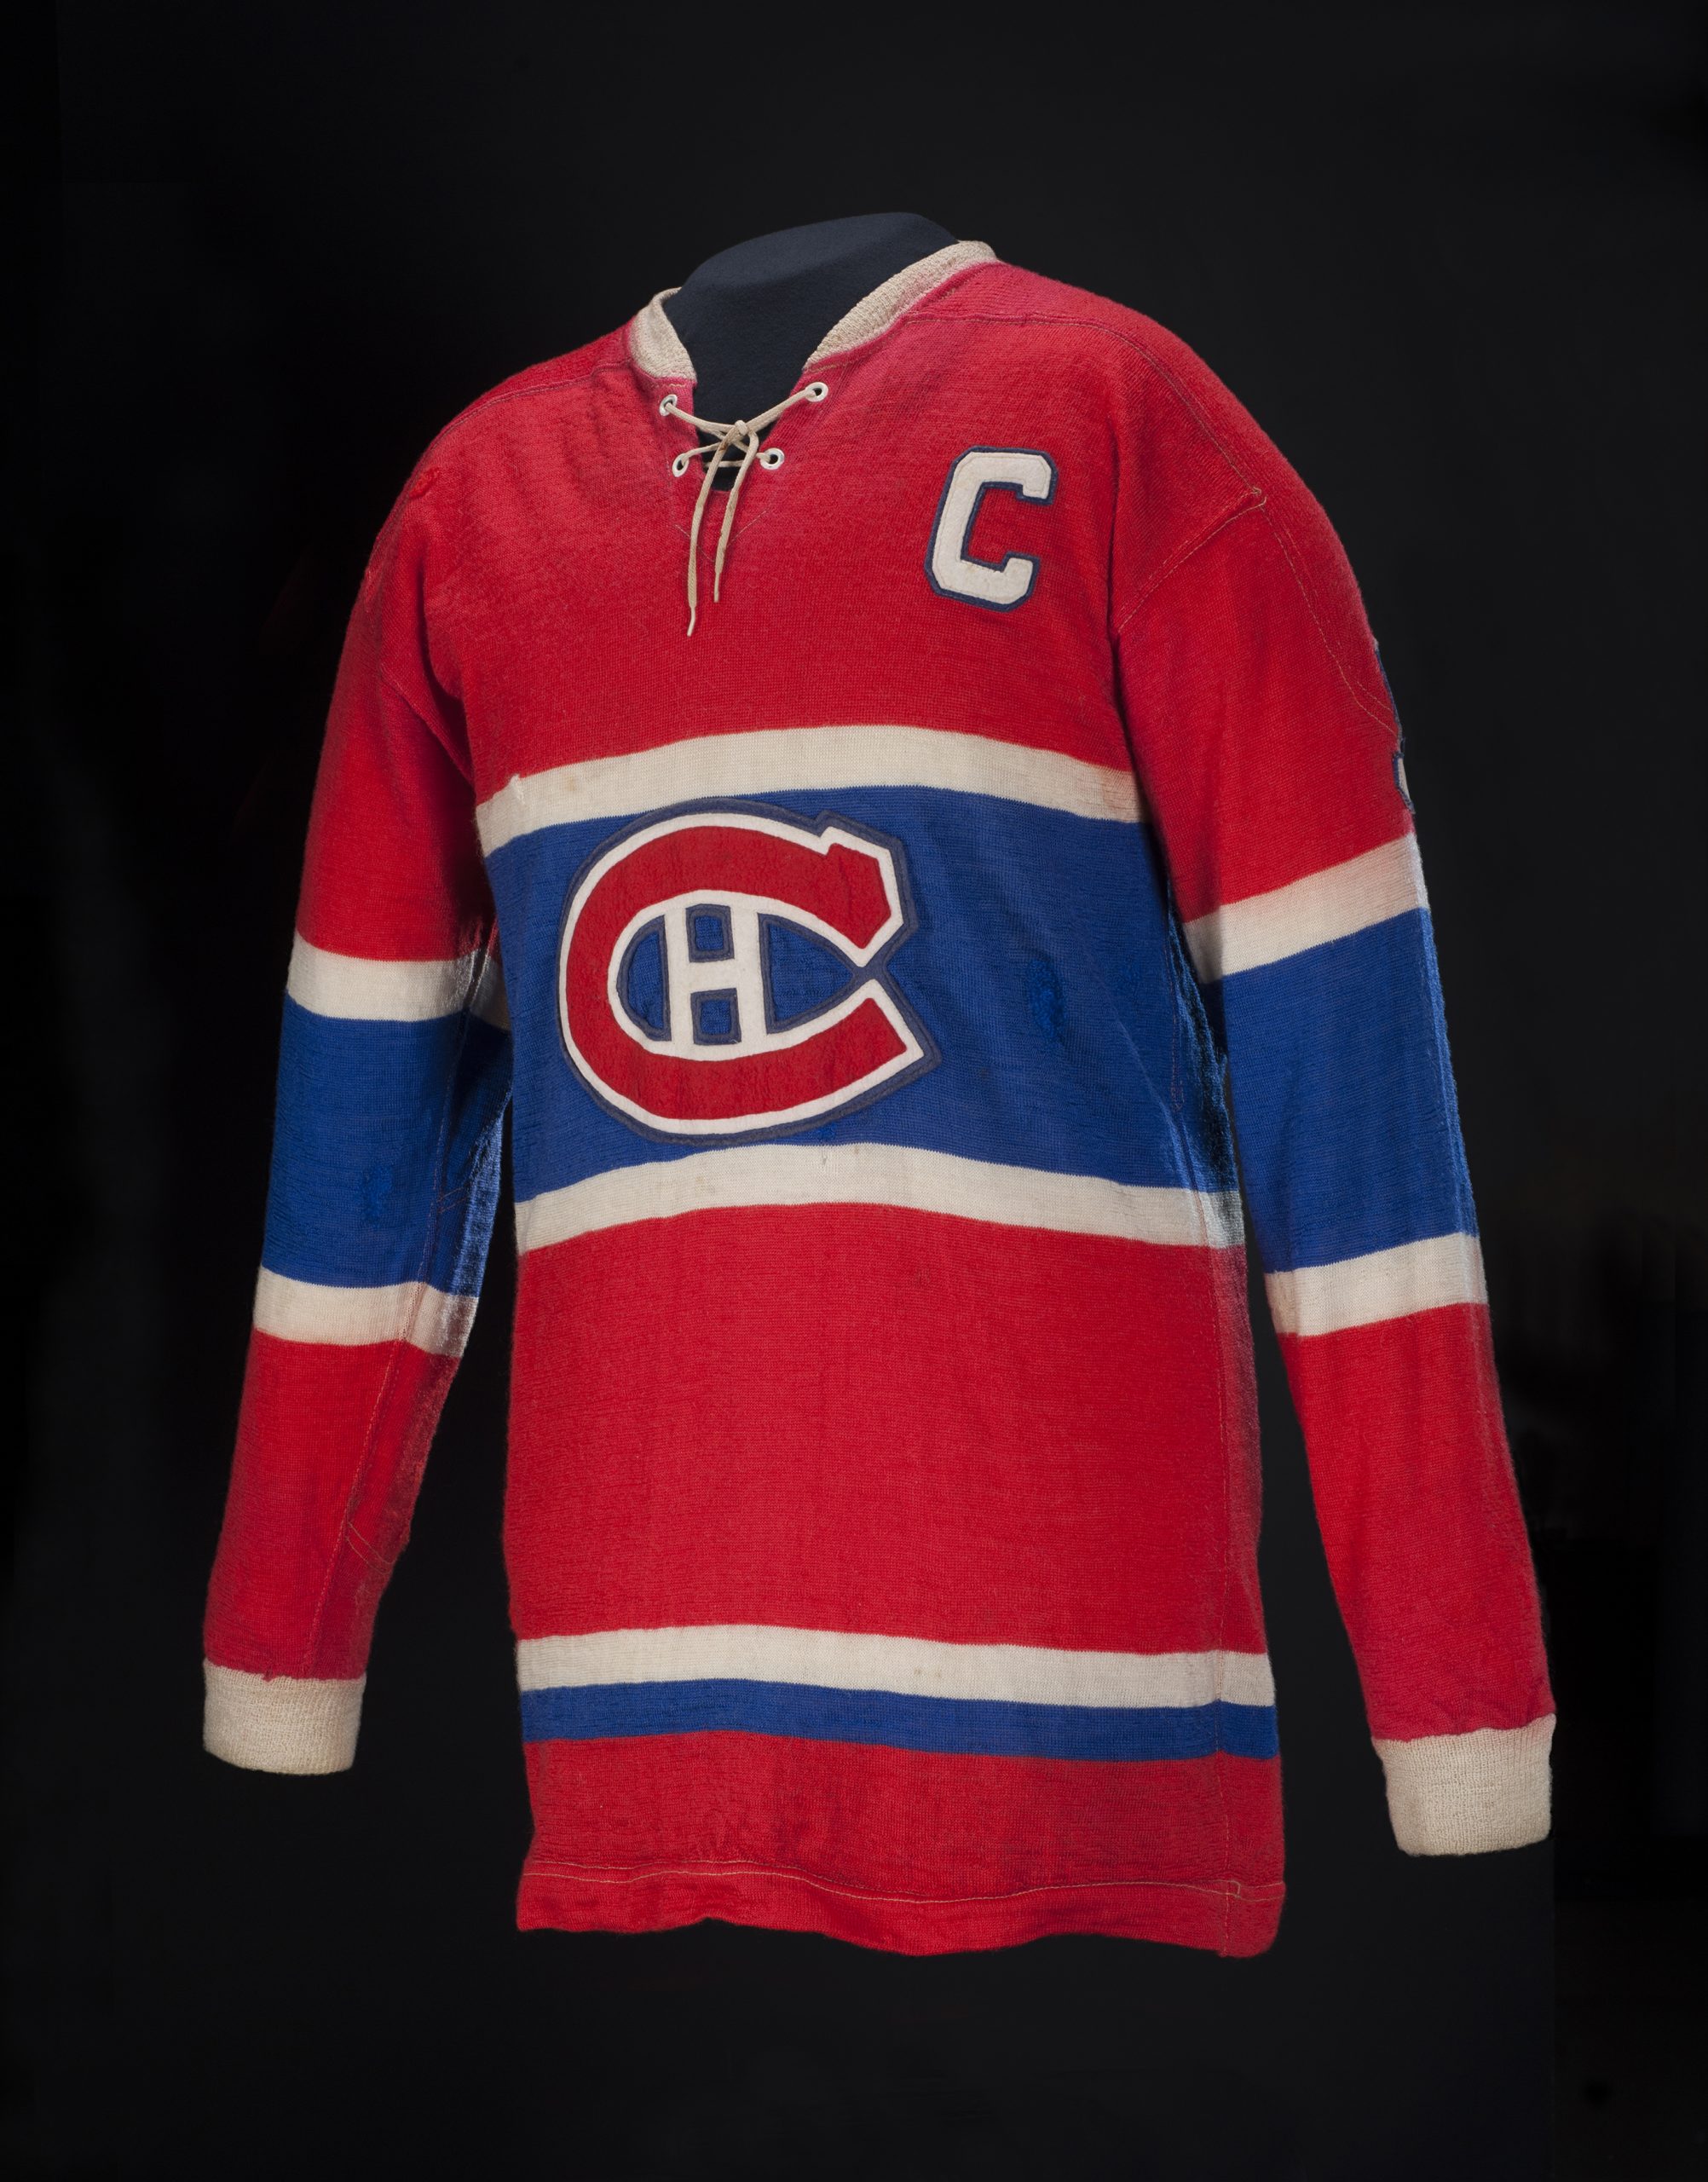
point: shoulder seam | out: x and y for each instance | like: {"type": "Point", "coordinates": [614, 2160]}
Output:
{"type": "Point", "coordinates": [1259, 505]}
{"type": "Point", "coordinates": [1126, 341]}
{"type": "Point", "coordinates": [1363, 699]}
{"type": "Point", "coordinates": [414, 473]}
{"type": "Point", "coordinates": [498, 394]}
{"type": "Point", "coordinates": [370, 574]}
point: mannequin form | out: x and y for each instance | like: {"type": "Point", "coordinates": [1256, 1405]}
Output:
{"type": "Point", "coordinates": [750, 316]}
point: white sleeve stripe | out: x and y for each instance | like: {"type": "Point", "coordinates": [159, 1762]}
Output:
{"type": "Point", "coordinates": [353, 987]}
{"type": "Point", "coordinates": [1347, 898]}
{"type": "Point", "coordinates": [1424, 1276]}
{"type": "Point", "coordinates": [428, 1318]}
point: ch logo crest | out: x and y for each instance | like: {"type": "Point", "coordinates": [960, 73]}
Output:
{"type": "Point", "coordinates": [722, 972]}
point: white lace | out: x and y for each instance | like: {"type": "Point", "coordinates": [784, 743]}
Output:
{"type": "Point", "coordinates": [743, 434]}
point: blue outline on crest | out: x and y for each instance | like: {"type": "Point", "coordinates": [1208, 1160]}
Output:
{"type": "Point", "coordinates": [653, 929]}
{"type": "Point", "coordinates": [697, 1001]}
{"type": "Point", "coordinates": [721, 911]}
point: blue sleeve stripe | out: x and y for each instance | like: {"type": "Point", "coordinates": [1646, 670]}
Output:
{"type": "Point", "coordinates": [385, 1151]}
{"type": "Point", "coordinates": [1344, 1101]}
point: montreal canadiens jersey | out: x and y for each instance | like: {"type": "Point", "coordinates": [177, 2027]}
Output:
{"type": "Point", "coordinates": [878, 974]}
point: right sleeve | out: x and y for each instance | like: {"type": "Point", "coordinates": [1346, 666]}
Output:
{"type": "Point", "coordinates": [1269, 751]}
{"type": "Point", "coordinates": [394, 1075]}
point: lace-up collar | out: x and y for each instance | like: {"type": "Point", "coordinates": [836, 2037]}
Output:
{"type": "Point", "coordinates": [744, 434]}
{"type": "Point", "coordinates": [657, 348]}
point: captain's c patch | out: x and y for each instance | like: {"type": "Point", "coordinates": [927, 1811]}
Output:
{"type": "Point", "coordinates": [722, 972]}
{"type": "Point", "coordinates": [953, 570]}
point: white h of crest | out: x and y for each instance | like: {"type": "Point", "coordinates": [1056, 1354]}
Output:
{"type": "Point", "coordinates": [741, 971]}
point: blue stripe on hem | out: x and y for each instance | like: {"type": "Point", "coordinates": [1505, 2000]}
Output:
{"type": "Point", "coordinates": [981, 1726]}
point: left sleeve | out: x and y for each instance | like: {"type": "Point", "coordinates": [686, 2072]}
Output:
{"type": "Point", "coordinates": [393, 1077]}
{"type": "Point", "coordinates": [1268, 752]}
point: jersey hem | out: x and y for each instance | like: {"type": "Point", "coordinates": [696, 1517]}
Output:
{"type": "Point", "coordinates": [1224, 1917]}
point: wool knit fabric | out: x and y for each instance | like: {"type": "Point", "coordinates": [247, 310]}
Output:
{"type": "Point", "coordinates": [886, 968]}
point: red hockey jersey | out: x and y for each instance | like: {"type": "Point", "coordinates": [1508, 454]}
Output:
{"type": "Point", "coordinates": [893, 934]}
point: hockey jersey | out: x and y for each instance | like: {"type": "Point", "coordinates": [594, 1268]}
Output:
{"type": "Point", "coordinates": [911, 866]}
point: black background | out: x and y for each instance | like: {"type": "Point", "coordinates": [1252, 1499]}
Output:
{"type": "Point", "coordinates": [1451, 259]}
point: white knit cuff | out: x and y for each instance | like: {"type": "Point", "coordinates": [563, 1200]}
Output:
{"type": "Point", "coordinates": [1458, 1795]}
{"type": "Point", "coordinates": [277, 1723]}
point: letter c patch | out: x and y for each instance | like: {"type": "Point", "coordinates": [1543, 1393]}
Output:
{"type": "Point", "coordinates": [953, 571]}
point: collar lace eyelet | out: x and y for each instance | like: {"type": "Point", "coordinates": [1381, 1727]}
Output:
{"type": "Point", "coordinates": [718, 451]}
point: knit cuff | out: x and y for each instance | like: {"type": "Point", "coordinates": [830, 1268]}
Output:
{"type": "Point", "coordinates": [277, 1723]}
{"type": "Point", "coordinates": [1458, 1795]}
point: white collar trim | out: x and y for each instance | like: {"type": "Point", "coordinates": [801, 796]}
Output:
{"type": "Point", "coordinates": [657, 347]}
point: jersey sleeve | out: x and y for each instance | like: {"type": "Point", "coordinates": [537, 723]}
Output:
{"type": "Point", "coordinates": [1268, 752]}
{"type": "Point", "coordinates": [394, 1075]}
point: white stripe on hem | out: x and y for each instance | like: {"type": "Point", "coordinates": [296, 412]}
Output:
{"type": "Point", "coordinates": [804, 760]}
{"type": "Point", "coordinates": [900, 1175]}
{"type": "Point", "coordinates": [1347, 898]}
{"type": "Point", "coordinates": [833, 1658]}
{"type": "Point", "coordinates": [355, 988]}
{"type": "Point", "coordinates": [428, 1318]}
{"type": "Point", "coordinates": [1424, 1276]}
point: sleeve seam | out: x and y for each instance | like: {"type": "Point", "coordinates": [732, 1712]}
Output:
{"type": "Point", "coordinates": [1258, 503]}
{"type": "Point", "coordinates": [348, 1538]}
{"type": "Point", "coordinates": [402, 696]}
{"type": "Point", "coordinates": [1388, 725]}
{"type": "Point", "coordinates": [1253, 497]}
{"type": "Point", "coordinates": [431, 727]}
